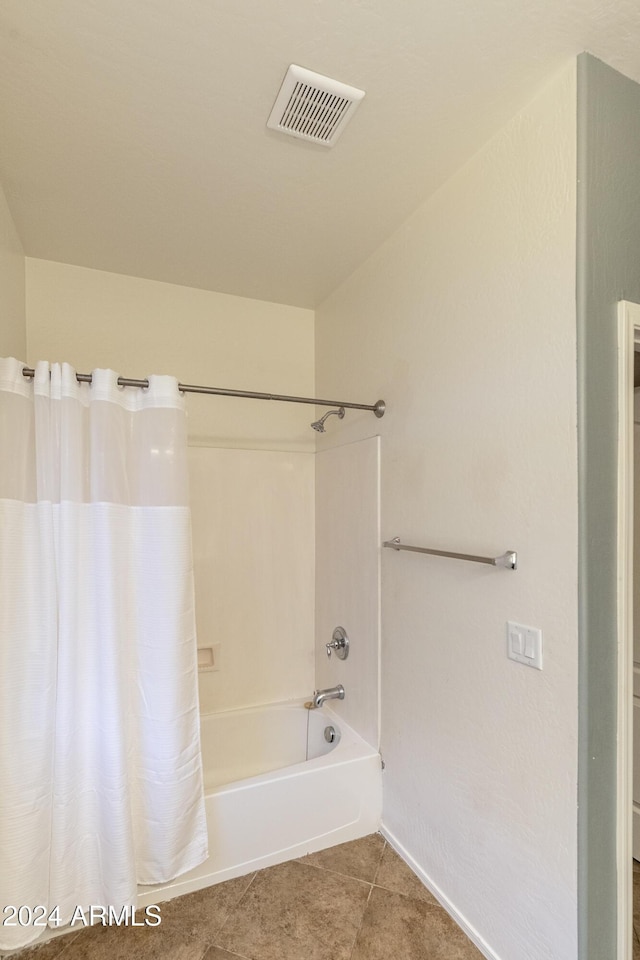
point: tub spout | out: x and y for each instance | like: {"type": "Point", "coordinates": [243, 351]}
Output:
{"type": "Point", "coordinates": [331, 693]}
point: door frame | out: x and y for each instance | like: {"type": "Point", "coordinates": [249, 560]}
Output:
{"type": "Point", "coordinates": [628, 336]}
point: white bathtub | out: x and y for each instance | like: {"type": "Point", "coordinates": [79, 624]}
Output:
{"type": "Point", "coordinates": [267, 802]}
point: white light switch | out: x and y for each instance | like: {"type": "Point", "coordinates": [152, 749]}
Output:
{"type": "Point", "coordinates": [524, 644]}
{"type": "Point", "coordinates": [516, 641]}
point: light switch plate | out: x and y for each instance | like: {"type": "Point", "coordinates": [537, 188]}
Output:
{"type": "Point", "coordinates": [524, 644]}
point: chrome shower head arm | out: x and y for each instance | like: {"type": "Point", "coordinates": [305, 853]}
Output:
{"type": "Point", "coordinates": [318, 425]}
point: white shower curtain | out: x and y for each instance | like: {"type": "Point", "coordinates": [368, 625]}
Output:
{"type": "Point", "coordinates": [100, 767]}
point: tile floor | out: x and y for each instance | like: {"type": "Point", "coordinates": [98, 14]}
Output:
{"type": "Point", "coordinates": [357, 901]}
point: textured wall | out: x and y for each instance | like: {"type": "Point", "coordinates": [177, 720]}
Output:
{"type": "Point", "coordinates": [12, 308]}
{"type": "Point", "coordinates": [252, 508]}
{"type": "Point", "coordinates": [464, 321]}
{"type": "Point", "coordinates": [608, 271]}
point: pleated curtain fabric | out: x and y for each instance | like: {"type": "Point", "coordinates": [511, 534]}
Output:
{"type": "Point", "coordinates": [100, 764]}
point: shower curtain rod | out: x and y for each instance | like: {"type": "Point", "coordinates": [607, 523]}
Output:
{"type": "Point", "coordinates": [378, 408]}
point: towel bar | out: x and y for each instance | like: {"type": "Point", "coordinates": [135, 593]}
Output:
{"type": "Point", "coordinates": [508, 560]}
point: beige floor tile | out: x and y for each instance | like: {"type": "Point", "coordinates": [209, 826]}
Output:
{"type": "Point", "coordinates": [358, 858]}
{"type": "Point", "coordinates": [394, 874]}
{"type": "Point", "coordinates": [50, 950]}
{"type": "Point", "coordinates": [201, 914]}
{"type": "Point", "coordinates": [403, 928]}
{"type": "Point", "coordinates": [189, 925]}
{"type": "Point", "coordinates": [296, 912]}
{"type": "Point", "coordinates": [125, 943]}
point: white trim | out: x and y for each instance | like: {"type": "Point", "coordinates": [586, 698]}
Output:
{"type": "Point", "coordinates": [453, 912]}
{"type": "Point", "coordinates": [628, 323]}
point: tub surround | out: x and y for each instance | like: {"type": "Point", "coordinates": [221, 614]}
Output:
{"type": "Point", "coordinates": [253, 538]}
{"type": "Point", "coordinates": [348, 577]}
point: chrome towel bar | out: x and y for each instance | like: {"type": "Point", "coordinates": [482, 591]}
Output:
{"type": "Point", "coordinates": [509, 560]}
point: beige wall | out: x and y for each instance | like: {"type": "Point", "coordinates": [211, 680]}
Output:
{"type": "Point", "coordinates": [12, 287]}
{"type": "Point", "coordinates": [464, 322]}
{"type": "Point", "coordinates": [251, 462]}
{"type": "Point", "coordinates": [96, 319]}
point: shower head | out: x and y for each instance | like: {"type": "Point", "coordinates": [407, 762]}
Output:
{"type": "Point", "coordinates": [319, 424]}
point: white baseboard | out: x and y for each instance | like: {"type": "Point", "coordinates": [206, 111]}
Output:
{"type": "Point", "coordinates": [462, 922]}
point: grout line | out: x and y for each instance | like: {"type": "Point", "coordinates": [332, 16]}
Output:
{"type": "Point", "coordinates": [255, 874]}
{"type": "Point", "coordinates": [401, 893]}
{"type": "Point", "coordinates": [384, 847]}
{"type": "Point", "coordinates": [240, 956]}
{"type": "Point", "coordinates": [336, 873]}
{"type": "Point", "coordinates": [71, 938]}
{"type": "Point", "coordinates": [408, 896]}
{"type": "Point", "coordinates": [303, 861]}
{"type": "Point", "coordinates": [233, 907]}
{"type": "Point", "coordinates": [355, 939]}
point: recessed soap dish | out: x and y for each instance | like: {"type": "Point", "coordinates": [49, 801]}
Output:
{"type": "Point", "coordinates": [209, 658]}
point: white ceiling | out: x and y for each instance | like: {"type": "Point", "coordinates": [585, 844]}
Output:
{"type": "Point", "coordinates": [133, 133]}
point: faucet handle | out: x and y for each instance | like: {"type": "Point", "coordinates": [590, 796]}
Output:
{"type": "Point", "coordinates": [339, 643]}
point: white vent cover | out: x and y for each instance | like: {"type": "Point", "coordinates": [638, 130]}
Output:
{"type": "Point", "coordinates": [313, 107]}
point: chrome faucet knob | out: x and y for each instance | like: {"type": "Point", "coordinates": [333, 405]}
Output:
{"type": "Point", "coordinates": [339, 643]}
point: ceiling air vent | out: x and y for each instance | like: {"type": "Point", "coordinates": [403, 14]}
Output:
{"type": "Point", "coordinates": [313, 107]}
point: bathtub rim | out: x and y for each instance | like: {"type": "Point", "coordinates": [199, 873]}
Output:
{"type": "Point", "coordinates": [351, 746]}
